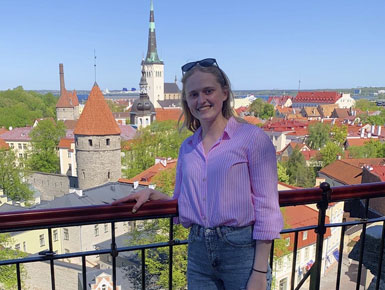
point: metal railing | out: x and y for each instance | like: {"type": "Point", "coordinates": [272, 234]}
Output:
{"type": "Point", "coordinates": [322, 196]}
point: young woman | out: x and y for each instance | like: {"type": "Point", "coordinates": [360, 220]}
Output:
{"type": "Point", "coordinates": [226, 187]}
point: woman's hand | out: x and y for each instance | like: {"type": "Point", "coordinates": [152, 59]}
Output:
{"type": "Point", "coordinates": [257, 281]}
{"type": "Point", "coordinates": [141, 197]}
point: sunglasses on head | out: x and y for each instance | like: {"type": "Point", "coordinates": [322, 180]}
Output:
{"type": "Point", "coordinates": [207, 62]}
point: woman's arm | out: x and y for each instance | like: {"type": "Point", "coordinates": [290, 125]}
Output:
{"type": "Point", "coordinates": [258, 280]}
{"type": "Point", "coordinates": [141, 197]}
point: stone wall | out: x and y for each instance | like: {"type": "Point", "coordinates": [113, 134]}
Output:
{"type": "Point", "coordinates": [66, 114]}
{"type": "Point", "coordinates": [50, 185]}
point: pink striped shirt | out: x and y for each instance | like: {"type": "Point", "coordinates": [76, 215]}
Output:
{"type": "Point", "coordinates": [235, 184]}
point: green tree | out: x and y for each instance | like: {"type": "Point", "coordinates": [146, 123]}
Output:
{"type": "Point", "coordinates": [366, 105]}
{"type": "Point", "coordinates": [299, 174]}
{"type": "Point", "coordinates": [330, 153]}
{"type": "Point", "coordinates": [157, 231]}
{"type": "Point", "coordinates": [339, 134]}
{"type": "Point", "coordinates": [282, 174]}
{"type": "Point", "coordinates": [161, 139]}
{"type": "Point", "coordinates": [19, 108]}
{"type": "Point", "coordinates": [371, 149]}
{"type": "Point", "coordinates": [261, 109]}
{"type": "Point", "coordinates": [8, 278]}
{"type": "Point", "coordinates": [45, 138]}
{"type": "Point", "coordinates": [11, 176]}
{"type": "Point", "coordinates": [318, 135]}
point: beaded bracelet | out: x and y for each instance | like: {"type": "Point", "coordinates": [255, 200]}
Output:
{"type": "Point", "coordinates": [263, 272]}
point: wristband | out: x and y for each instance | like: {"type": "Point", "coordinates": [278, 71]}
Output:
{"type": "Point", "coordinates": [258, 271]}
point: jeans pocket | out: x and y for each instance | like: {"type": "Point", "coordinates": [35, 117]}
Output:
{"type": "Point", "coordinates": [240, 237]}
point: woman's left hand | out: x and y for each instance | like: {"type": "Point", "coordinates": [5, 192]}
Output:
{"type": "Point", "coordinates": [257, 281]}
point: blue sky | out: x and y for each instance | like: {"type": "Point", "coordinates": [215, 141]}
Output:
{"type": "Point", "coordinates": [260, 44]}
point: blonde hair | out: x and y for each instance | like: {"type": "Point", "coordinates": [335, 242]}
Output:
{"type": "Point", "coordinates": [192, 123]}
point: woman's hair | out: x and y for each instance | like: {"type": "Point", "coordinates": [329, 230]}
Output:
{"type": "Point", "coordinates": [192, 123]}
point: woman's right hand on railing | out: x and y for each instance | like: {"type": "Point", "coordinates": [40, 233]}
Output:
{"type": "Point", "coordinates": [142, 197]}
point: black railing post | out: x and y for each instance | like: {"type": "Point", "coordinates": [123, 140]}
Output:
{"type": "Point", "coordinates": [114, 254]}
{"type": "Point", "coordinates": [315, 276]}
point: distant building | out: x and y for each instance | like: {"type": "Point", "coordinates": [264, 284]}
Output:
{"type": "Point", "coordinates": [97, 143]}
{"type": "Point", "coordinates": [316, 98]}
{"type": "Point", "coordinates": [19, 141]}
{"type": "Point", "coordinates": [67, 107]}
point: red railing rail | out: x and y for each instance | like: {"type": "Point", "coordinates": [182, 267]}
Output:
{"type": "Point", "coordinates": [12, 221]}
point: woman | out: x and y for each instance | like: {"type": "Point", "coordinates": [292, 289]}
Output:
{"type": "Point", "coordinates": [226, 186]}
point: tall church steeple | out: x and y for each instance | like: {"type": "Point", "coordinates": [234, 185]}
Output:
{"type": "Point", "coordinates": [153, 67]}
{"type": "Point", "coordinates": [152, 53]}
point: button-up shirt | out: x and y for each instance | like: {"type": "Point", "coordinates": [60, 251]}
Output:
{"type": "Point", "coordinates": [234, 184]}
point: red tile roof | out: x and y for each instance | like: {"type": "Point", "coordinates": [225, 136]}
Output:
{"type": "Point", "coordinates": [66, 143]}
{"type": "Point", "coordinates": [68, 100]}
{"type": "Point", "coordinates": [379, 170]}
{"type": "Point", "coordinates": [3, 145]}
{"type": "Point", "coordinates": [146, 176]}
{"type": "Point", "coordinates": [302, 216]}
{"type": "Point", "coordinates": [127, 132]}
{"type": "Point", "coordinates": [359, 141]}
{"type": "Point", "coordinates": [96, 118]}
{"type": "Point", "coordinates": [343, 172]}
{"type": "Point", "coordinates": [317, 97]}
{"type": "Point", "coordinates": [168, 114]}
{"type": "Point", "coordinates": [252, 120]}
{"type": "Point", "coordinates": [70, 124]}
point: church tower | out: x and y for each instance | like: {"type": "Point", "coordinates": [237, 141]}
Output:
{"type": "Point", "coordinates": [153, 66]}
{"type": "Point", "coordinates": [97, 143]}
{"type": "Point", "coordinates": [142, 112]}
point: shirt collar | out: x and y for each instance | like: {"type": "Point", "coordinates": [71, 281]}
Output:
{"type": "Point", "coordinates": [228, 133]}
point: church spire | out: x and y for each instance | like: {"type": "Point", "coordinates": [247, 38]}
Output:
{"type": "Point", "coordinates": [152, 53]}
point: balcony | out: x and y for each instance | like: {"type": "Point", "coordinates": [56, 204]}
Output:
{"type": "Point", "coordinates": [323, 197]}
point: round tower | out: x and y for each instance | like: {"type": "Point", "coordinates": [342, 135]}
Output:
{"type": "Point", "coordinates": [97, 143]}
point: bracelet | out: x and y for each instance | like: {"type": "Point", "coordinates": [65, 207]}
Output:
{"type": "Point", "coordinates": [263, 272]}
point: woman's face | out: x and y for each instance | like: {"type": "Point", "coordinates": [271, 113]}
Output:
{"type": "Point", "coordinates": [205, 96]}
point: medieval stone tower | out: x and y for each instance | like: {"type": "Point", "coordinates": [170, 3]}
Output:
{"type": "Point", "coordinates": [97, 143]}
{"type": "Point", "coordinates": [67, 107]}
{"type": "Point", "coordinates": [153, 66]}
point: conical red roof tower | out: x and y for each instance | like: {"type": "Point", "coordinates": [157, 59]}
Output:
{"type": "Point", "coordinates": [96, 118]}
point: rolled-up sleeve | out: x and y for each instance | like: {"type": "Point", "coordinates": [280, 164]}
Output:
{"type": "Point", "coordinates": [263, 178]}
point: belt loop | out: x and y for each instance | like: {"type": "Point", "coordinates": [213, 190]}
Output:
{"type": "Point", "coordinates": [219, 232]}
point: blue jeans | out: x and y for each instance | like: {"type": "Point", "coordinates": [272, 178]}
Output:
{"type": "Point", "coordinates": [221, 258]}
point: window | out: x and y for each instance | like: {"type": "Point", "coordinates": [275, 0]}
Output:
{"type": "Point", "coordinates": [42, 240]}
{"type": "Point", "coordinates": [20, 155]}
{"type": "Point", "coordinates": [306, 254]}
{"type": "Point", "coordinates": [96, 230]}
{"type": "Point", "coordinates": [24, 246]}
{"type": "Point", "coordinates": [69, 154]}
{"type": "Point", "coordinates": [104, 287]}
{"type": "Point", "coordinates": [90, 142]}
{"type": "Point", "coordinates": [11, 145]}
{"type": "Point", "coordinates": [283, 284]}
{"type": "Point", "coordinates": [106, 228]}
{"type": "Point", "coordinates": [19, 145]}
{"type": "Point", "coordinates": [304, 235]}
{"type": "Point", "coordinates": [25, 155]}
{"type": "Point", "coordinates": [55, 235]}
{"type": "Point", "coordinates": [24, 146]}
{"type": "Point", "coordinates": [66, 234]}
{"type": "Point", "coordinates": [287, 241]}
{"type": "Point", "coordinates": [108, 142]}
{"type": "Point", "coordinates": [17, 247]}
{"type": "Point", "coordinates": [109, 175]}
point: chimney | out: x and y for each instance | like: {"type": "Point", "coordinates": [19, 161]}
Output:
{"type": "Point", "coordinates": [362, 132]}
{"type": "Point", "coordinates": [61, 74]}
{"type": "Point", "coordinates": [372, 129]}
{"type": "Point", "coordinates": [379, 131]}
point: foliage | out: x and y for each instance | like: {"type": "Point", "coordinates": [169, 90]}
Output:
{"type": "Point", "coordinates": [11, 176]}
{"type": "Point", "coordinates": [318, 135]}
{"type": "Point", "coordinates": [366, 105]}
{"type": "Point", "coordinates": [261, 109]}
{"type": "Point", "coordinates": [8, 273]}
{"type": "Point", "coordinates": [299, 174]}
{"type": "Point", "coordinates": [339, 134]}
{"type": "Point", "coordinates": [282, 174]}
{"type": "Point", "coordinates": [19, 108]}
{"type": "Point", "coordinates": [45, 138]}
{"type": "Point", "coordinates": [330, 153]}
{"type": "Point", "coordinates": [160, 139]}
{"type": "Point", "coordinates": [115, 107]}
{"type": "Point", "coordinates": [371, 149]}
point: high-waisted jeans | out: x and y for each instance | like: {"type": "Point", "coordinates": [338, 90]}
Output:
{"type": "Point", "coordinates": [221, 258]}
